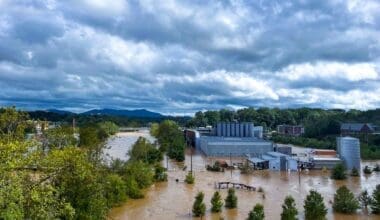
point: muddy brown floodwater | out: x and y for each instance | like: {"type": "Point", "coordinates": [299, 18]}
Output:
{"type": "Point", "coordinates": [172, 200]}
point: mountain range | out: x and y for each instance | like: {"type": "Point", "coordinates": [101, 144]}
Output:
{"type": "Point", "coordinates": [137, 113]}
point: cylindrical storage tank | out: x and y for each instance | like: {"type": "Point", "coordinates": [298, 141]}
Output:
{"type": "Point", "coordinates": [219, 129]}
{"type": "Point", "coordinates": [250, 130]}
{"type": "Point", "coordinates": [224, 129]}
{"type": "Point", "coordinates": [237, 129]}
{"type": "Point", "coordinates": [233, 129]}
{"type": "Point", "coordinates": [241, 129]}
{"type": "Point", "coordinates": [228, 129]}
{"type": "Point", "coordinates": [349, 151]}
{"type": "Point", "coordinates": [246, 129]}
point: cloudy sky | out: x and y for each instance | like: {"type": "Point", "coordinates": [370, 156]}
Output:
{"type": "Point", "coordinates": [182, 56]}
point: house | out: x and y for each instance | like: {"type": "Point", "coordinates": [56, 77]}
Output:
{"type": "Point", "coordinates": [356, 128]}
{"type": "Point", "coordinates": [291, 130]}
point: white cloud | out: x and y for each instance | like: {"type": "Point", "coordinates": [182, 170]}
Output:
{"type": "Point", "coordinates": [330, 70]}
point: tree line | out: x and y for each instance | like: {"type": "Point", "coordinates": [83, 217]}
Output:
{"type": "Point", "coordinates": [314, 206]}
{"type": "Point", "coordinates": [322, 126]}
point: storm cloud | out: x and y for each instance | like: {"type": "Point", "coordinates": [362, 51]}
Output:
{"type": "Point", "coordinates": [183, 56]}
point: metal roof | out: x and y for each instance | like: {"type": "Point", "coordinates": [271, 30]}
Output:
{"type": "Point", "coordinates": [355, 126]}
{"type": "Point", "coordinates": [276, 154]}
{"type": "Point", "coordinates": [255, 160]}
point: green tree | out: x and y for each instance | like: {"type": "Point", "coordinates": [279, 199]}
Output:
{"type": "Point", "coordinates": [60, 137]}
{"type": "Point", "coordinates": [354, 172]}
{"type": "Point", "coordinates": [78, 181]}
{"type": "Point", "coordinates": [375, 204]}
{"type": "Point", "coordinates": [338, 172]}
{"type": "Point", "coordinates": [115, 190]}
{"type": "Point", "coordinates": [314, 206]}
{"type": "Point", "coordinates": [212, 117]}
{"type": "Point", "coordinates": [257, 213]}
{"type": "Point", "coordinates": [190, 179]}
{"type": "Point", "coordinates": [365, 199]}
{"type": "Point", "coordinates": [160, 174]}
{"type": "Point", "coordinates": [12, 124]}
{"type": "Point", "coordinates": [231, 199]}
{"type": "Point", "coordinates": [143, 150]}
{"type": "Point", "coordinates": [345, 201]}
{"type": "Point", "coordinates": [216, 202]}
{"type": "Point", "coordinates": [11, 197]}
{"type": "Point", "coordinates": [108, 127]}
{"type": "Point", "coordinates": [199, 208]}
{"type": "Point", "coordinates": [154, 129]}
{"type": "Point", "coordinates": [132, 189]}
{"type": "Point", "coordinates": [89, 139]}
{"type": "Point", "coordinates": [139, 171]}
{"type": "Point", "coordinates": [171, 139]}
{"type": "Point", "coordinates": [289, 209]}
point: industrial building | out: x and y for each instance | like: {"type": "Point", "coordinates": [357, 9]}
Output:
{"type": "Point", "coordinates": [233, 146]}
{"type": "Point", "coordinates": [291, 130]}
{"type": "Point", "coordinates": [324, 158]}
{"type": "Point", "coordinates": [348, 149]}
{"type": "Point", "coordinates": [229, 139]}
{"type": "Point", "coordinates": [236, 129]}
{"type": "Point", "coordinates": [273, 161]}
{"type": "Point", "coordinates": [356, 128]}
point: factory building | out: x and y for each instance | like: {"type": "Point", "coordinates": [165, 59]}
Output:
{"type": "Point", "coordinates": [229, 139]}
{"type": "Point", "coordinates": [323, 158]}
{"type": "Point", "coordinates": [348, 149]}
{"type": "Point", "coordinates": [233, 146]}
{"type": "Point", "coordinates": [238, 129]}
{"type": "Point", "coordinates": [291, 130]}
{"type": "Point", "coordinates": [273, 161]}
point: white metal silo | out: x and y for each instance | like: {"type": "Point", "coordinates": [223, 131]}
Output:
{"type": "Point", "coordinates": [349, 151]}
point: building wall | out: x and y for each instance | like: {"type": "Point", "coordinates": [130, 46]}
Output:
{"type": "Point", "coordinates": [221, 146]}
{"type": "Point", "coordinates": [319, 164]}
{"type": "Point", "coordinates": [233, 129]}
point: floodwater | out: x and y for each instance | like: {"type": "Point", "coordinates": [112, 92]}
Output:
{"type": "Point", "coordinates": [117, 146]}
{"type": "Point", "coordinates": [172, 200]}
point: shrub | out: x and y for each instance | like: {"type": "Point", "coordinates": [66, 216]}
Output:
{"type": "Point", "coordinates": [354, 172]}
{"type": "Point", "coordinates": [257, 213]}
{"type": "Point", "coordinates": [314, 206]}
{"type": "Point", "coordinates": [345, 201]}
{"type": "Point", "coordinates": [338, 173]}
{"type": "Point", "coordinates": [160, 174]}
{"type": "Point", "coordinates": [365, 199]}
{"type": "Point", "coordinates": [289, 209]}
{"type": "Point", "coordinates": [216, 202]}
{"type": "Point", "coordinates": [115, 190]}
{"type": "Point", "coordinates": [367, 170]}
{"type": "Point", "coordinates": [375, 203]}
{"type": "Point", "coordinates": [231, 199]}
{"type": "Point", "coordinates": [190, 178]}
{"type": "Point", "coordinates": [377, 168]}
{"type": "Point", "coordinates": [199, 208]}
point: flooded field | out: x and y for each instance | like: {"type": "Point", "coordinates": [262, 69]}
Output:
{"type": "Point", "coordinates": [172, 200]}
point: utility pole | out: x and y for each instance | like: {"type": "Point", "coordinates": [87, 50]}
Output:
{"type": "Point", "coordinates": [231, 163]}
{"type": "Point", "coordinates": [191, 161]}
